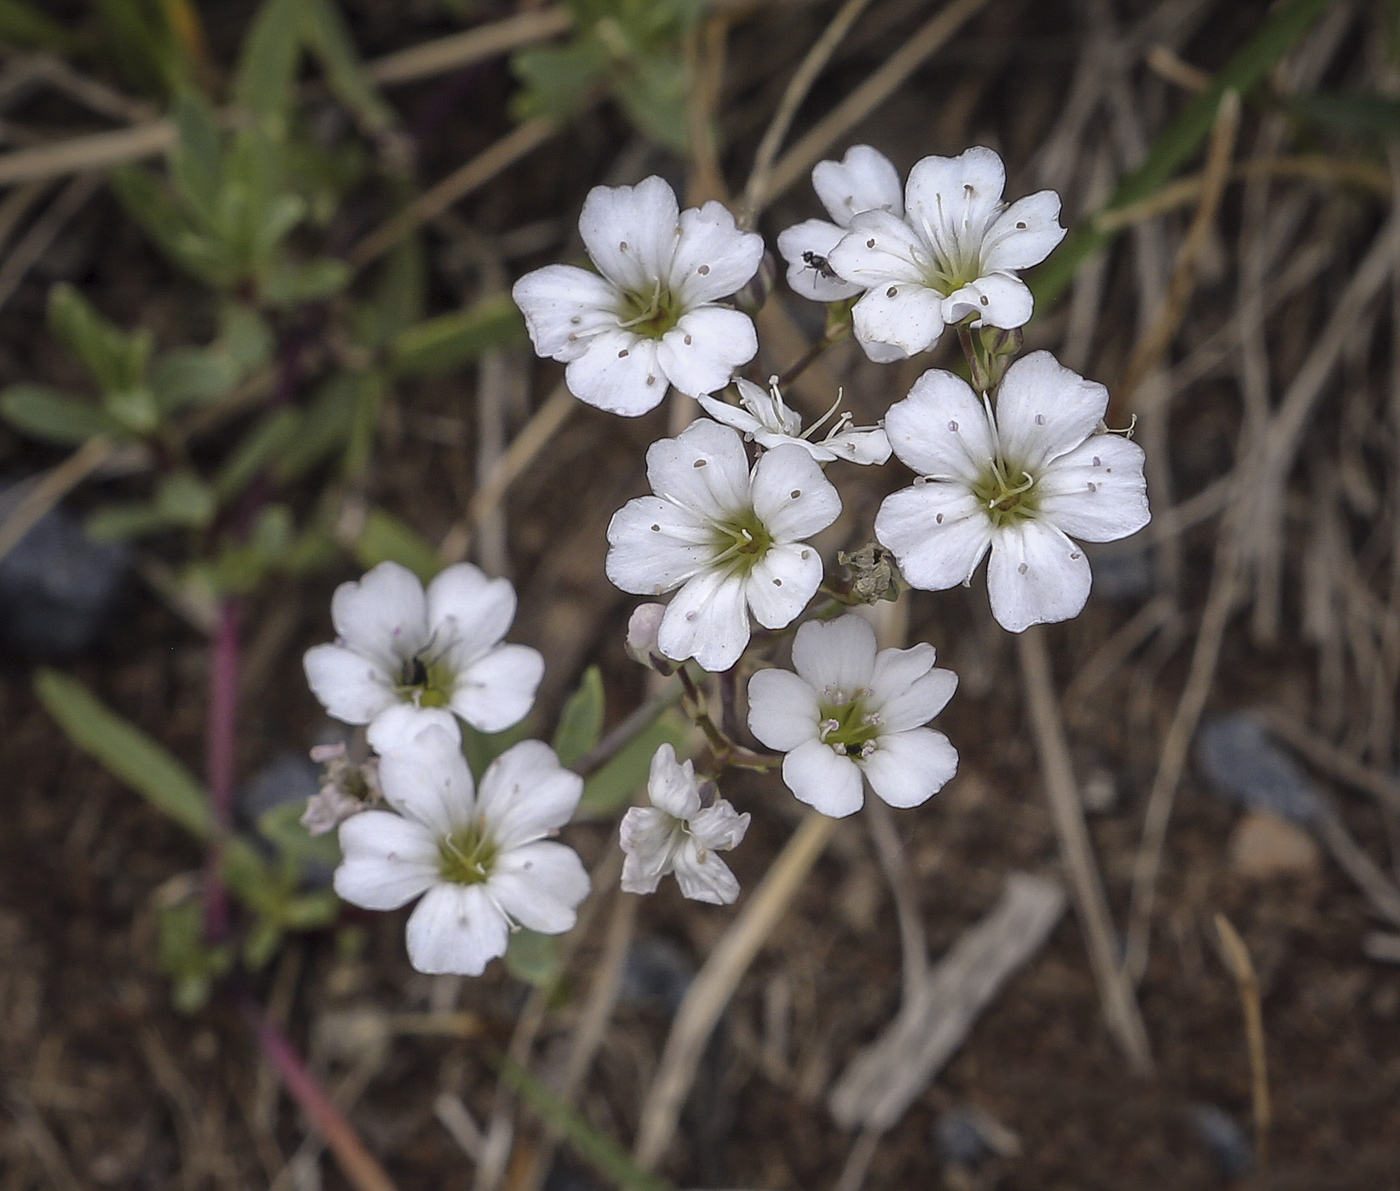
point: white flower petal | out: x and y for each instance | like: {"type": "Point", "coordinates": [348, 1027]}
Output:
{"type": "Point", "coordinates": [879, 249]}
{"type": "Point", "coordinates": [498, 690]}
{"type": "Point", "coordinates": [768, 407]}
{"type": "Point", "coordinates": [937, 531]}
{"type": "Point", "coordinates": [708, 619]}
{"type": "Point", "coordinates": [700, 353]}
{"type": "Point", "coordinates": [398, 724]}
{"type": "Point", "coordinates": [428, 781]}
{"type": "Point", "coordinates": [387, 860]}
{"type": "Point", "coordinates": [783, 710]}
{"type": "Point", "coordinates": [806, 247]}
{"type": "Point", "coordinates": [1036, 575]}
{"type": "Point", "coordinates": [384, 616]}
{"type": "Point", "coordinates": [858, 445]}
{"type": "Point", "coordinates": [908, 768]}
{"type": "Point", "coordinates": [782, 583]}
{"type": "Point", "coordinates": [713, 258]}
{"type": "Point", "coordinates": [563, 305]}
{"type": "Point", "coordinates": [703, 876]}
{"type": "Point", "coordinates": [654, 546]}
{"type": "Point", "coordinates": [618, 372]}
{"type": "Point", "coordinates": [896, 670]}
{"type": "Point", "coordinates": [904, 315]}
{"type": "Point", "coordinates": [648, 837]}
{"type": "Point", "coordinates": [631, 231]}
{"type": "Point", "coordinates": [704, 469]}
{"type": "Point", "coordinates": [526, 794]}
{"type": "Point", "coordinates": [955, 197]}
{"type": "Point", "coordinates": [905, 700]}
{"type": "Point", "coordinates": [997, 299]}
{"type": "Point", "coordinates": [456, 929]}
{"type": "Point", "coordinates": [836, 656]}
{"type": "Point", "coordinates": [1025, 233]}
{"type": "Point", "coordinates": [469, 610]}
{"type": "Point", "coordinates": [863, 180]}
{"type": "Point", "coordinates": [719, 827]}
{"type": "Point", "coordinates": [352, 688]}
{"type": "Point", "coordinates": [1044, 410]}
{"type": "Point", "coordinates": [791, 496]}
{"type": "Point", "coordinates": [671, 785]}
{"type": "Point", "coordinates": [730, 415]}
{"type": "Point", "coordinates": [539, 885]}
{"type": "Point", "coordinates": [823, 780]}
{"type": "Point", "coordinates": [1096, 492]}
{"type": "Point", "coordinates": [940, 429]}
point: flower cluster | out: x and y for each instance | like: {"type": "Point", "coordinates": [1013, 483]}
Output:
{"type": "Point", "coordinates": [1021, 469]}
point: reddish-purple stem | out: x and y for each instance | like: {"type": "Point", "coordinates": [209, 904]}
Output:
{"type": "Point", "coordinates": [220, 743]}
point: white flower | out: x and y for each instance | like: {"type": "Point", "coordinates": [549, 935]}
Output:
{"type": "Point", "coordinates": [650, 319]}
{"type": "Point", "coordinates": [403, 652]}
{"type": "Point", "coordinates": [1018, 482]}
{"type": "Point", "coordinates": [481, 862]}
{"type": "Point", "coordinates": [676, 834]}
{"type": "Point", "coordinates": [864, 180]}
{"type": "Point", "coordinates": [767, 419]}
{"type": "Point", "coordinates": [732, 540]}
{"type": "Point", "coordinates": [851, 713]}
{"type": "Point", "coordinates": [953, 254]}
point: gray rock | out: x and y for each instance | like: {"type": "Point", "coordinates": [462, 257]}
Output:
{"type": "Point", "coordinates": [1223, 1139]}
{"type": "Point", "coordinates": [1243, 764]}
{"type": "Point", "coordinates": [655, 975]}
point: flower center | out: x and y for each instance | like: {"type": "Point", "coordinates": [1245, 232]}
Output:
{"type": "Point", "coordinates": [467, 856]}
{"type": "Point", "coordinates": [846, 725]}
{"type": "Point", "coordinates": [425, 680]}
{"type": "Point", "coordinates": [740, 542]}
{"type": "Point", "coordinates": [651, 315]}
{"type": "Point", "coordinates": [1007, 494]}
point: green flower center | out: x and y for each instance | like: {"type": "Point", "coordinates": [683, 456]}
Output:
{"type": "Point", "coordinates": [1007, 494]}
{"type": "Point", "coordinates": [651, 315]}
{"type": "Point", "coordinates": [847, 726]}
{"type": "Point", "coordinates": [741, 542]}
{"type": "Point", "coordinates": [467, 856]}
{"type": "Point", "coordinates": [425, 681]}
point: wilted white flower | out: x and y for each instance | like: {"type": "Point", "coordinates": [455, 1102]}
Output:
{"type": "Point", "coordinates": [1021, 482]}
{"type": "Point", "coordinates": [481, 861]}
{"type": "Point", "coordinates": [767, 419]}
{"type": "Point", "coordinates": [677, 834]}
{"type": "Point", "coordinates": [650, 319]}
{"type": "Point", "coordinates": [851, 713]}
{"type": "Point", "coordinates": [954, 254]}
{"type": "Point", "coordinates": [346, 788]}
{"type": "Point", "coordinates": [403, 652]}
{"type": "Point", "coordinates": [864, 180]}
{"type": "Point", "coordinates": [733, 540]}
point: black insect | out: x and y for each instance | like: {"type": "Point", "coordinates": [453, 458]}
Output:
{"type": "Point", "coordinates": [819, 264]}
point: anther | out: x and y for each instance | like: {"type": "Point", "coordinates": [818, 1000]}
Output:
{"type": "Point", "coordinates": [795, 493]}
{"type": "Point", "coordinates": [1040, 419]}
{"type": "Point", "coordinates": [693, 615]}
{"type": "Point", "coordinates": [939, 519]}
{"type": "Point", "coordinates": [892, 291]}
{"type": "Point", "coordinates": [870, 243]}
{"type": "Point", "coordinates": [984, 300]}
{"type": "Point", "coordinates": [656, 528]}
{"type": "Point", "coordinates": [688, 341]}
{"type": "Point", "coordinates": [623, 354]}
{"type": "Point", "coordinates": [1096, 461]}
{"type": "Point", "coordinates": [1021, 225]}
{"type": "Point", "coordinates": [953, 426]}
{"type": "Point", "coordinates": [1022, 569]}
{"type": "Point", "coordinates": [700, 463]}
{"type": "Point", "coordinates": [703, 270]}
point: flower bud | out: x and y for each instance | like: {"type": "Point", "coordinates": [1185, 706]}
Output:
{"type": "Point", "coordinates": [641, 643]}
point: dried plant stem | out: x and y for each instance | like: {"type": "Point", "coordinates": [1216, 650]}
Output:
{"type": "Point", "coordinates": [457, 50]}
{"type": "Point", "coordinates": [55, 484]}
{"type": "Point", "coordinates": [1237, 959]}
{"type": "Point", "coordinates": [42, 233]}
{"type": "Point", "coordinates": [890, 853]}
{"type": "Point", "coordinates": [1119, 1008]}
{"type": "Point", "coordinates": [1334, 761]}
{"type": "Point", "coordinates": [756, 192]}
{"type": "Point", "coordinates": [715, 985]}
{"type": "Point", "coordinates": [868, 96]}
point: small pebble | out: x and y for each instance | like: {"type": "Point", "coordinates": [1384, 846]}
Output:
{"type": "Point", "coordinates": [1224, 1139]}
{"type": "Point", "coordinates": [1243, 764]}
{"type": "Point", "coordinates": [967, 1136]}
{"type": "Point", "coordinates": [1263, 846]}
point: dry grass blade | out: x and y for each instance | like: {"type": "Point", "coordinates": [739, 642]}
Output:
{"type": "Point", "coordinates": [472, 45]}
{"type": "Point", "coordinates": [1334, 761]}
{"type": "Point", "coordinates": [715, 985]}
{"type": "Point", "coordinates": [36, 1132]}
{"type": "Point", "coordinates": [868, 96]}
{"type": "Point", "coordinates": [1091, 905]}
{"type": "Point", "coordinates": [55, 484]}
{"type": "Point", "coordinates": [37, 240]}
{"type": "Point", "coordinates": [1236, 956]}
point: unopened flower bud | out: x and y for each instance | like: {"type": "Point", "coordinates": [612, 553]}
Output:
{"type": "Point", "coordinates": [641, 646]}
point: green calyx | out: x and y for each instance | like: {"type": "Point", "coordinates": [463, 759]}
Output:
{"type": "Point", "coordinates": [425, 682]}
{"type": "Point", "coordinates": [1007, 494]}
{"type": "Point", "coordinates": [651, 315]}
{"type": "Point", "coordinates": [741, 542]}
{"type": "Point", "coordinates": [467, 856]}
{"type": "Point", "coordinates": [848, 727]}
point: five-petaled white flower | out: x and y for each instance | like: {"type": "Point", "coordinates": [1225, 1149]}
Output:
{"type": "Point", "coordinates": [767, 419]}
{"type": "Point", "coordinates": [863, 180]}
{"type": "Point", "coordinates": [650, 319]}
{"type": "Point", "coordinates": [677, 834]}
{"type": "Point", "coordinates": [733, 540]}
{"type": "Point", "coordinates": [954, 254]}
{"type": "Point", "coordinates": [403, 652]}
{"type": "Point", "coordinates": [851, 713]}
{"type": "Point", "coordinates": [1021, 482]}
{"type": "Point", "coordinates": [481, 861]}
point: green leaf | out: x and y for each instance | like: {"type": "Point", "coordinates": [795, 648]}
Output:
{"type": "Point", "coordinates": [117, 360]}
{"type": "Point", "coordinates": [1356, 111]}
{"type": "Point", "coordinates": [534, 958]}
{"type": "Point", "coordinates": [52, 417]}
{"type": "Point", "coordinates": [1274, 37]}
{"type": "Point", "coordinates": [460, 337]}
{"type": "Point", "coordinates": [581, 721]}
{"type": "Point", "coordinates": [281, 827]}
{"type": "Point", "coordinates": [147, 203]}
{"type": "Point", "coordinates": [325, 429]}
{"type": "Point", "coordinates": [397, 303]}
{"type": "Point", "coordinates": [196, 161]}
{"type": "Point", "coordinates": [268, 437]}
{"type": "Point", "coordinates": [135, 409]}
{"type": "Point", "coordinates": [23, 25]}
{"type": "Point", "coordinates": [289, 283]}
{"type": "Point", "coordinates": [182, 498]}
{"type": "Point", "coordinates": [616, 783]}
{"type": "Point", "coordinates": [386, 538]}
{"type": "Point", "coordinates": [124, 521]}
{"type": "Point", "coordinates": [481, 748]}
{"type": "Point", "coordinates": [125, 751]}
{"type": "Point", "coordinates": [325, 35]}
{"type": "Point", "coordinates": [191, 963]}
{"type": "Point", "coordinates": [267, 64]}
{"type": "Point", "coordinates": [654, 99]}
{"type": "Point", "coordinates": [191, 375]}
{"type": "Point", "coordinates": [555, 80]}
